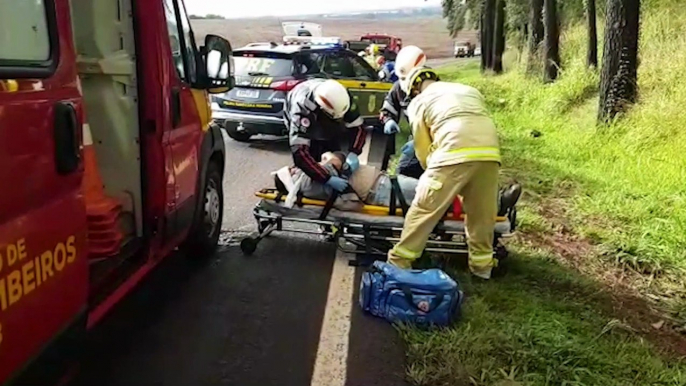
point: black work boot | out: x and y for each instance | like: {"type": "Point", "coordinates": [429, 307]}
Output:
{"type": "Point", "coordinates": [508, 198]}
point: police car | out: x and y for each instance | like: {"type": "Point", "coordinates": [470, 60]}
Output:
{"type": "Point", "coordinates": [266, 72]}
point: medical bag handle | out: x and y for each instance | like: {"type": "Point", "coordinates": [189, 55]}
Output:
{"type": "Point", "coordinates": [434, 303]}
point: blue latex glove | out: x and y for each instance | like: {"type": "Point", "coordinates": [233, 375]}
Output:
{"type": "Point", "coordinates": [408, 149]}
{"type": "Point", "coordinates": [353, 162]}
{"type": "Point", "coordinates": [391, 127]}
{"type": "Point", "coordinates": [337, 183]}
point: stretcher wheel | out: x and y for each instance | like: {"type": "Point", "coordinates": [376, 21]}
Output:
{"type": "Point", "coordinates": [249, 245]}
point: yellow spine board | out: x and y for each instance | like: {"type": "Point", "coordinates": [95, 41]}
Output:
{"type": "Point", "coordinates": [367, 209]}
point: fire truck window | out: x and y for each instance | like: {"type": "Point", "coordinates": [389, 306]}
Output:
{"type": "Point", "coordinates": [24, 35]}
{"type": "Point", "coordinates": [174, 38]}
{"type": "Point", "coordinates": [188, 44]}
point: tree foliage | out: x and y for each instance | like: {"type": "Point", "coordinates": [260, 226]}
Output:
{"type": "Point", "coordinates": [462, 14]}
{"type": "Point", "coordinates": [210, 16]}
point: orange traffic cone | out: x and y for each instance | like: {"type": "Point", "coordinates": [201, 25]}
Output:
{"type": "Point", "coordinates": [104, 236]}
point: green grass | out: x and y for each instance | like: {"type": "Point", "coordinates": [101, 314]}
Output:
{"type": "Point", "coordinates": [541, 324]}
{"type": "Point", "coordinates": [619, 189]}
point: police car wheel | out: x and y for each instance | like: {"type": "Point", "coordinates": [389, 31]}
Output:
{"type": "Point", "coordinates": [204, 236]}
{"type": "Point", "coordinates": [240, 136]}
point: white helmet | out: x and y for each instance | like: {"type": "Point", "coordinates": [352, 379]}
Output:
{"type": "Point", "coordinates": [408, 58]}
{"type": "Point", "coordinates": [333, 98]}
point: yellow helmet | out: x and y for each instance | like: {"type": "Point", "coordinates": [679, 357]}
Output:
{"type": "Point", "coordinates": [9, 85]}
{"type": "Point", "coordinates": [373, 49]}
{"type": "Point", "coordinates": [410, 85]}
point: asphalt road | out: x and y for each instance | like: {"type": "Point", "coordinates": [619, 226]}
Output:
{"type": "Point", "coordinates": [440, 62]}
{"type": "Point", "coordinates": [276, 318]}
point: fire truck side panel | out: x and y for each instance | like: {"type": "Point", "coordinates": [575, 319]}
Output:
{"type": "Point", "coordinates": [43, 266]}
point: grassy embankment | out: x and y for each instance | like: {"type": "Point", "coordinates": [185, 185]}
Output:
{"type": "Point", "coordinates": [595, 291]}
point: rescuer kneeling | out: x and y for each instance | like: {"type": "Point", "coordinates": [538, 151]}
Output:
{"type": "Point", "coordinates": [314, 113]}
{"type": "Point", "coordinates": [457, 144]}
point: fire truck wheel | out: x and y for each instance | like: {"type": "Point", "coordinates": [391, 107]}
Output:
{"type": "Point", "coordinates": [204, 238]}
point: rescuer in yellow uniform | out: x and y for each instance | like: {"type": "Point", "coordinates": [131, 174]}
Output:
{"type": "Point", "coordinates": [457, 144]}
{"type": "Point", "coordinates": [372, 57]}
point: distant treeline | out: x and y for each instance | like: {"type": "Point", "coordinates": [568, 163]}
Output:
{"type": "Point", "coordinates": [380, 15]}
{"type": "Point", "coordinates": [210, 16]}
{"type": "Point", "coordinates": [401, 13]}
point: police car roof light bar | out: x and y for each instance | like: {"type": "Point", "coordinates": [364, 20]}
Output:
{"type": "Point", "coordinates": [309, 40]}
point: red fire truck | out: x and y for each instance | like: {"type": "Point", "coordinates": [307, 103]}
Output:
{"type": "Point", "coordinates": [108, 160]}
{"type": "Point", "coordinates": [389, 45]}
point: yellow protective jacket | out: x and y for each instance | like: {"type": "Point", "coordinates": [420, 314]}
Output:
{"type": "Point", "coordinates": [450, 125]}
{"type": "Point", "coordinates": [372, 60]}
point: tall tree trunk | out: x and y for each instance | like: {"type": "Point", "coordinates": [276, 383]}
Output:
{"type": "Point", "coordinates": [552, 40]}
{"type": "Point", "coordinates": [487, 27]}
{"type": "Point", "coordinates": [618, 87]}
{"type": "Point", "coordinates": [536, 33]}
{"type": "Point", "coordinates": [499, 37]}
{"type": "Point", "coordinates": [483, 40]}
{"type": "Point", "coordinates": [592, 58]}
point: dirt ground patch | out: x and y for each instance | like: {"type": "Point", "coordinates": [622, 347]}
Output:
{"type": "Point", "coordinates": [618, 298]}
{"type": "Point", "coordinates": [430, 33]}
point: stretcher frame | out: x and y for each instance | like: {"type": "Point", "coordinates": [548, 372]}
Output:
{"type": "Point", "coordinates": [366, 241]}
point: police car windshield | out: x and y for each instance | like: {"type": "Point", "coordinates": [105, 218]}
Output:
{"type": "Point", "coordinates": [262, 64]}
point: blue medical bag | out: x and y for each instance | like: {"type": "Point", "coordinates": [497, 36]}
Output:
{"type": "Point", "coordinates": [421, 297]}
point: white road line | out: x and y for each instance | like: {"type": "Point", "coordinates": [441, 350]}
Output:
{"type": "Point", "coordinates": [330, 366]}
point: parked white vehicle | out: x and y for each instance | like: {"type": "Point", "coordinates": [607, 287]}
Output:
{"type": "Point", "coordinates": [464, 49]}
{"type": "Point", "coordinates": [301, 28]}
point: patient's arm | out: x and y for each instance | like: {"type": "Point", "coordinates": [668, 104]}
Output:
{"type": "Point", "coordinates": [314, 189]}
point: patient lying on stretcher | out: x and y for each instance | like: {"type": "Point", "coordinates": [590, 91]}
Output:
{"type": "Point", "coordinates": [371, 186]}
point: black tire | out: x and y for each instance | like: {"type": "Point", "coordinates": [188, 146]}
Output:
{"type": "Point", "coordinates": [248, 246]}
{"type": "Point", "coordinates": [240, 136]}
{"type": "Point", "coordinates": [204, 236]}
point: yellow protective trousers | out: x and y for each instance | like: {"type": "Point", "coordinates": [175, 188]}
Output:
{"type": "Point", "coordinates": [477, 183]}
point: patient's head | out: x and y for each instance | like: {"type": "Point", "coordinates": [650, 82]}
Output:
{"type": "Point", "coordinates": [336, 159]}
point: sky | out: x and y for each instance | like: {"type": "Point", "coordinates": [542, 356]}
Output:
{"type": "Point", "coordinates": [251, 8]}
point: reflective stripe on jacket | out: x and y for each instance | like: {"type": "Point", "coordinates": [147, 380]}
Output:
{"type": "Point", "coordinates": [450, 125]}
